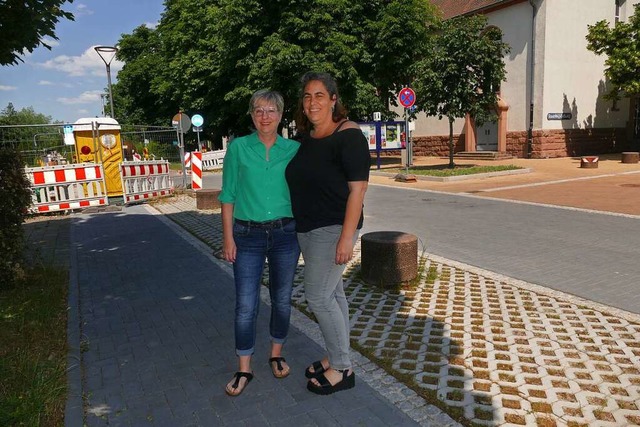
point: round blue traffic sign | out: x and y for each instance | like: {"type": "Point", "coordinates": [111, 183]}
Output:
{"type": "Point", "coordinates": [197, 120]}
{"type": "Point", "coordinates": [407, 97]}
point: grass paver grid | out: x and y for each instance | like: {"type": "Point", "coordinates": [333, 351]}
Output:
{"type": "Point", "coordinates": [480, 347]}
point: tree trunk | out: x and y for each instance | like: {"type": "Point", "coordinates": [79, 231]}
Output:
{"type": "Point", "coordinates": [451, 164]}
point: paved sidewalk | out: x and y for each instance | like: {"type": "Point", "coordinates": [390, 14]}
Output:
{"type": "Point", "coordinates": [156, 341]}
{"type": "Point", "coordinates": [151, 321]}
{"type": "Point", "coordinates": [612, 187]}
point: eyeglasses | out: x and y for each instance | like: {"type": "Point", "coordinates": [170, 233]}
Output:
{"type": "Point", "coordinates": [270, 112]}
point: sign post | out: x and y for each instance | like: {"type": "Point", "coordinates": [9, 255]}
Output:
{"type": "Point", "coordinates": [182, 123]}
{"type": "Point", "coordinates": [376, 118]}
{"type": "Point", "coordinates": [197, 121]}
{"type": "Point", "coordinates": [407, 97]}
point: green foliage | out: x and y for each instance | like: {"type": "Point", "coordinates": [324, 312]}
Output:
{"type": "Point", "coordinates": [33, 349]}
{"type": "Point", "coordinates": [208, 57]}
{"type": "Point", "coordinates": [26, 116]}
{"type": "Point", "coordinates": [16, 197]}
{"type": "Point", "coordinates": [621, 44]}
{"type": "Point", "coordinates": [462, 72]}
{"type": "Point", "coordinates": [24, 24]}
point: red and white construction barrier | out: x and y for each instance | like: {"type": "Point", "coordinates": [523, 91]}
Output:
{"type": "Point", "coordinates": [196, 170]}
{"type": "Point", "coordinates": [67, 187]}
{"type": "Point", "coordinates": [213, 159]}
{"type": "Point", "coordinates": [145, 180]}
{"type": "Point", "coordinates": [187, 160]}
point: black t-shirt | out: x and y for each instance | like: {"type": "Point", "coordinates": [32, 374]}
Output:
{"type": "Point", "coordinates": [318, 177]}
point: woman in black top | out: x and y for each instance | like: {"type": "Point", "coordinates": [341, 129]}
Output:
{"type": "Point", "coordinates": [328, 179]}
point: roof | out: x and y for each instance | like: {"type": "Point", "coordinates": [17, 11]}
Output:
{"type": "Point", "coordinates": [453, 8]}
{"type": "Point", "coordinates": [101, 123]}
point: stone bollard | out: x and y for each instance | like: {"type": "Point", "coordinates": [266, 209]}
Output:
{"type": "Point", "coordinates": [630, 157]}
{"type": "Point", "coordinates": [589, 162]}
{"type": "Point", "coordinates": [207, 199]}
{"type": "Point", "coordinates": [389, 258]}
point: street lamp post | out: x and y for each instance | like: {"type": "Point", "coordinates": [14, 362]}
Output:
{"type": "Point", "coordinates": [107, 53]}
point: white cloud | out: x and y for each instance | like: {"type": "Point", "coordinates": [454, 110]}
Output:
{"type": "Point", "coordinates": [82, 111]}
{"type": "Point", "coordinates": [7, 87]}
{"type": "Point", "coordinates": [50, 42]}
{"type": "Point", "coordinates": [87, 97]}
{"type": "Point", "coordinates": [89, 63]}
{"type": "Point", "coordinates": [82, 9]}
{"type": "Point", "coordinates": [151, 25]}
{"type": "Point", "coordinates": [45, 83]}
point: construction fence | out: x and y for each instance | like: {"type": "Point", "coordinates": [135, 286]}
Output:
{"type": "Point", "coordinates": [47, 144]}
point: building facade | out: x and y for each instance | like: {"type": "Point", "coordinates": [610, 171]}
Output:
{"type": "Point", "coordinates": [552, 103]}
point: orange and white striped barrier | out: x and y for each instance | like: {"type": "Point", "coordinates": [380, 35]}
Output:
{"type": "Point", "coordinates": [66, 187]}
{"type": "Point", "coordinates": [196, 170]}
{"type": "Point", "coordinates": [143, 180]}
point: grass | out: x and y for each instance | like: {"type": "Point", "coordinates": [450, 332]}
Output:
{"type": "Point", "coordinates": [458, 170]}
{"type": "Point", "coordinates": [33, 349]}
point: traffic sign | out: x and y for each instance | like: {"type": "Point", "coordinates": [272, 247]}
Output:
{"type": "Point", "coordinates": [407, 97]}
{"type": "Point", "coordinates": [197, 120]}
{"type": "Point", "coordinates": [182, 122]}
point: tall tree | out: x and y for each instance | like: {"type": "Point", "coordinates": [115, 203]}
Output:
{"type": "Point", "coordinates": [621, 44]}
{"type": "Point", "coordinates": [26, 116]}
{"type": "Point", "coordinates": [25, 23]}
{"type": "Point", "coordinates": [215, 53]}
{"type": "Point", "coordinates": [139, 95]}
{"type": "Point", "coordinates": [462, 72]}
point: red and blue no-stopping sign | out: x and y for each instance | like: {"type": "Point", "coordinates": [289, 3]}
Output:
{"type": "Point", "coordinates": [407, 97]}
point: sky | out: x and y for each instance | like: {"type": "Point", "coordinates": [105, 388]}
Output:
{"type": "Point", "coordinates": [66, 81]}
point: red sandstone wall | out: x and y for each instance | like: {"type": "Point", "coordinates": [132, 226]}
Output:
{"type": "Point", "coordinates": [437, 145]}
{"type": "Point", "coordinates": [568, 142]}
{"type": "Point", "coordinates": [546, 143]}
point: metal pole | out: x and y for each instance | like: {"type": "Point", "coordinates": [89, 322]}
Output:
{"type": "Point", "coordinates": [110, 92]}
{"type": "Point", "coordinates": [406, 137]}
{"type": "Point", "coordinates": [181, 146]}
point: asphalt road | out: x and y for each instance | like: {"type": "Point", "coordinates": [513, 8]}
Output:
{"type": "Point", "coordinates": [595, 256]}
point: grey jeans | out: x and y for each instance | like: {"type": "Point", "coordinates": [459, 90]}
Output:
{"type": "Point", "coordinates": [324, 291]}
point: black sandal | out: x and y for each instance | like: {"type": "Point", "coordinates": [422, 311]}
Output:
{"type": "Point", "coordinates": [318, 369]}
{"type": "Point", "coordinates": [279, 367]}
{"type": "Point", "coordinates": [325, 387]}
{"type": "Point", "coordinates": [236, 383]}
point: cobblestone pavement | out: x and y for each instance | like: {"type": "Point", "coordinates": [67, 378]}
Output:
{"type": "Point", "coordinates": [493, 350]}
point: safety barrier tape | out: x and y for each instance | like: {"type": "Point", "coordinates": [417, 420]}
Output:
{"type": "Point", "coordinates": [66, 187]}
{"type": "Point", "coordinates": [145, 180]}
{"type": "Point", "coordinates": [213, 159]}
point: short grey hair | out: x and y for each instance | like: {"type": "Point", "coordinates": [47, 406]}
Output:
{"type": "Point", "coordinates": [271, 96]}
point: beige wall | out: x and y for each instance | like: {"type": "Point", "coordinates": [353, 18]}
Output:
{"type": "Point", "coordinates": [515, 23]}
{"type": "Point", "coordinates": [567, 76]}
{"type": "Point", "coordinates": [574, 76]}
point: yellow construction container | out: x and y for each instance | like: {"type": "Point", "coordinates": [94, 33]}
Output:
{"type": "Point", "coordinates": [98, 141]}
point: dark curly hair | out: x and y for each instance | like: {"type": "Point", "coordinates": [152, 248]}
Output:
{"type": "Point", "coordinates": [339, 113]}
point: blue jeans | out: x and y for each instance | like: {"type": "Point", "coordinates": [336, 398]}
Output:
{"type": "Point", "coordinates": [279, 246]}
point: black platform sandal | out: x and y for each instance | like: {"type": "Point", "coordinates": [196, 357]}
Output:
{"type": "Point", "coordinates": [236, 383]}
{"type": "Point", "coordinates": [318, 369]}
{"type": "Point", "coordinates": [325, 387]}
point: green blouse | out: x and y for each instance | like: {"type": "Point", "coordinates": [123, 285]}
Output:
{"type": "Point", "coordinates": [254, 185]}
